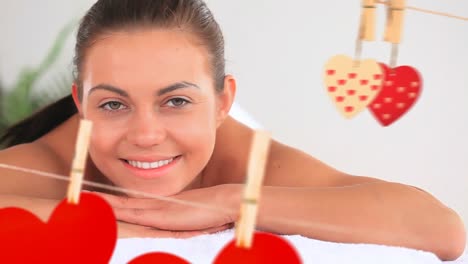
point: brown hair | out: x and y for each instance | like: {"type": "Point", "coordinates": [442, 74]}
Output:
{"type": "Point", "coordinates": [107, 16]}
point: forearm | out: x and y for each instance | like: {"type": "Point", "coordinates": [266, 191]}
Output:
{"type": "Point", "coordinates": [378, 213]}
{"type": "Point", "coordinates": [42, 208]}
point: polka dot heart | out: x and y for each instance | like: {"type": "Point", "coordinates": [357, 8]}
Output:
{"type": "Point", "coordinates": [352, 86]}
{"type": "Point", "coordinates": [400, 91]}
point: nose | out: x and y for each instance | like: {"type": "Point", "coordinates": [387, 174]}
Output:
{"type": "Point", "coordinates": [146, 130]}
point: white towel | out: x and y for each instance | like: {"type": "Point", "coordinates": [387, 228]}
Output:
{"type": "Point", "coordinates": [203, 249]}
{"type": "Point", "coordinates": [241, 115]}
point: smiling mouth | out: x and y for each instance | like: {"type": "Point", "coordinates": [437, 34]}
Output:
{"type": "Point", "coordinates": [150, 165]}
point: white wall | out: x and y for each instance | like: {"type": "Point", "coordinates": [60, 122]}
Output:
{"type": "Point", "coordinates": [277, 50]}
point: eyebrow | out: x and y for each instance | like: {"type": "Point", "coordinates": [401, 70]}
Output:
{"type": "Point", "coordinates": [176, 86]}
{"type": "Point", "coordinates": [165, 90]}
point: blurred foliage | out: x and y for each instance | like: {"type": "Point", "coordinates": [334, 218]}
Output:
{"type": "Point", "coordinates": [20, 101]}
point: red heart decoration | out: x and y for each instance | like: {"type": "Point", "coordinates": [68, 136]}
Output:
{"type": "Point", "coordinates": [399, 92]}
{"type": "Point", "coordinates": [266, 248]}
{"type": "Point", "coordinates": [158, 257]}
{"type": "Point", "coordinates": [83, 233]}
{"type": "Point", "coordinates": [21, 237]}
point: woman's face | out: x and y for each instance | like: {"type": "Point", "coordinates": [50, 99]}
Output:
{"type": "Point", "coordinates": [152, 101]}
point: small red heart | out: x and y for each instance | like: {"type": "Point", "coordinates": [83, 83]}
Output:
{"type": "Point", "coordinates": [351, 92]}
{"type": "Point", "coordinates": [340, 98]}
{"type": "Point", "coordinates": [349, 109]}
{"type": "Point", "coordinates": [375, 87]}
{"type": "Point", "coordinates": [364, 82]}
{"type": "Point", "coordinates": [377, 76]}
{"type": "Point", "coordinates": [352, 75]}
{"type": "Point", "coordinates": [330, 72]}
{"type": "Point", "coordinates": [266, 248]}
{"type": "Point", "coordinates": [362, 97]}
{"type": "Point", "coordinates": [401, 90]}
{"type": "Point", "coordinates": [341, 82]}
{"type": "Point", "coordinates": [83, 233]}
{"type": "Point", "coordinates": [158, 257]}
{"type": "Point", "coordinates": [332, 89]}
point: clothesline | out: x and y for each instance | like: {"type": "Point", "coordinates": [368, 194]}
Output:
{"type": "Point", "coordinates": [427, 11]}
{"type": "Point", "coordinates": [282, 220]}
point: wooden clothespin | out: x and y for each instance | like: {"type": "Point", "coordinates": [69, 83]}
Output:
{"type": "Point", "coordinates": [367, 26]}
{"type": "Point", "coordinates": [395, 13]}
{"type": "Point", "coordinates": [256, 169]}
{"type": "Point", "coordinates": [79, 161]}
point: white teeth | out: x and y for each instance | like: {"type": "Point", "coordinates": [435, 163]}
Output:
{"type": "Point", "coordinates": [149, 165]}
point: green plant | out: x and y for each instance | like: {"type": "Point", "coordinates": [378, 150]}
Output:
{"type": "Point", "coordinates": [21, 101]}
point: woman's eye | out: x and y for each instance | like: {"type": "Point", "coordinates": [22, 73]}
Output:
{"type": "Point", "coordinates": [177, 102]}
{"type": "Point", "coordinates": [113, 106]}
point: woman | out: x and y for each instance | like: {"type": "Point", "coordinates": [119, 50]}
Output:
{"type": "Point", "coordinates": [150, 76]}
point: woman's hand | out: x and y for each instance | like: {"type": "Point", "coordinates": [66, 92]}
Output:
{"type": "Point", "coordinates": [152, 217]}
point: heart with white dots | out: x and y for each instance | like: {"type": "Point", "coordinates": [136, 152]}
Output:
{"type": "Point", "coordinates": [352, 85]}
{"type": "Point", "coordinates": [401, 89]}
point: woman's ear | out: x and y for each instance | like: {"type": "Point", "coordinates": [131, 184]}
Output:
{"type": "Point", "coordinates": [225, 99]}
{"type": "Point", "coordinates": [76, 99]}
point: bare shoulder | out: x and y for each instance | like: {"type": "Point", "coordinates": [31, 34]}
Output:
{"type": "Point", "coordinates": [287, 166]}
{"type": "Point", "coordinates": [37, 156]}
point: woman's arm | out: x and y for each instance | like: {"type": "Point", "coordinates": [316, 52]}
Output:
{"type": "Point", "coordinates": [341, 207]}
{"type": "Point", "coordinates": [345, 208]}
{"type": "Point", "coordinates": [377, 213]}
{"type": "Point", "coordinates": [42, 208]}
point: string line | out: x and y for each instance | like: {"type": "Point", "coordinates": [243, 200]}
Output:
{"type": "Point", "coordinates": [394, 56]}
{"type": "Point", "coordinates": [113, 188]}
{"type": "Point", "coordinates": [427, 11]}
{"type": "Point", "coordinates": [152, 196]}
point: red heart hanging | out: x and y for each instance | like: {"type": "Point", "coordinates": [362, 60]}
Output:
{"type": "Point", "coordinates": [400, 91]}
{"type": "Point", "coordinates": [266, 248]}
{"type": "Point", "coordinates": [21, 237]}
{"type": "Point", "coordinates": [158, 257]}
{"type": "Point", "coordinates": [83, 233]}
